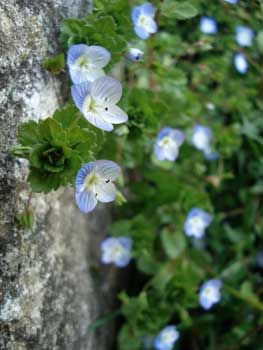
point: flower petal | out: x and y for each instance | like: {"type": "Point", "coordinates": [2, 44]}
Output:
{"type": "Point", "coordinates": [105, 192]}
{"type": "Point", "coordinates": [177, 136]}
{"type": "Point", "coordinates": [86, 201]}
{"type": "Point", "coordinates": [148, 9]}
{"type": "Point", "coordinates": [96, 120]}
{"type": "Point", "coordinates": [114, 115]}
{"type": "Point", "coordinates": [106, 91]}
{"type": "Point", "coordinates": [151, 26]}
{"type": "Point", "coordinates": [80, 75]}
{"type": "Point", "coordinates": [141, 32]}
{"type": "Point", "coordinates": [136, 11]}
{"type": "Point", "coordinates": [158, 151]}
{"type": "Point", "coordinates": [123, 260]}
{"type": "Point", "coordinates": [79, 92]}
{"type": "Point", "coordinates": [107, 169]}
{"type": "Point", "coordinates": [74, 52]}
{"type": "Point", "coordinates": [82, 174]}
{"type": "Point", "coordinates": [172, 152]}
{"type": "Point", "coordinates": [126, 242]}
{"type": "Point", "coordinates": [98, 56]}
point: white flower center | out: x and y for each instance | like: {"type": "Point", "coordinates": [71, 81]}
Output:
{"type": "Point", "coordinates": [116, 251]}
{"type": "Point", "coordinates": [144, 22]}
{"type": "Point", "coordinates": [88, 104]}
{"type": "Point", "coordinates": [209, 292]}
{"type": "Point", "coordinates": [197, 225]}
{"type": "Point", "coordinates": [91, 181]}
{"type": "Point", "coordinates": [82, 61]}
{"type": "Point", "coordinates": [166, 142]}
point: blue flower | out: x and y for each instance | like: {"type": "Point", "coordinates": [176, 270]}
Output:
{"type": "Point", "coordinates": [240, 63]}
{"type": "Point", "coordinates": [244, 36]}
{"type": "Point", "coordinates": [232, 1]}
{"type": "Point", "coordinates": [167, 144]}
{"type": "Point", "coordinates": [143, 20]}
{"type": "Point", "coordinates": [208, 25]}
{"type": "Point", "coordinates": [116, 251]}
{"type": "Point", "coordinates": [94, 183]}
{"type": "Point", "coordinates": [260, 259]}
{"type": "Point", "coordinates": [196, 222]}
{"type": "Point", "coordinates": [135, 54]}
{"type": "Point", "coordinates": [201, 139]}
{"type": "Point", "coordinates": [97, 101]}
{"type": "Point", "coordinates": [166, 339]}
{"type": "Point", "coordinates": [209, 293]}
{"type": "Point", "coordinates": [86, 62]}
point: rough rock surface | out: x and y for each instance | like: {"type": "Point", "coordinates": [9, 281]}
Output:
{"type": "Point", "coordinates": [48, 294]}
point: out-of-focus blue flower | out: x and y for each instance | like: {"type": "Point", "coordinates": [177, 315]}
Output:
{"type": "Point", "coordinates": [94, 183]}
{"type": "Point", "coordinates": [232, 1]}
{"type": "Point", "coordinates": [208, 25]}
{"type": "Point", "coordinates": [97, 101]}
{"type": "Point", "coordinates": [167, 144]}
{"type": "Point", "coordinates": [260, 259]}
{"type": "Point", "coordinates": [196, 222]}
{"type": "Point", "coordinates": [201, 139]}
{"type": "Point", "coordinates": [244, 36]}
{"type": "Point", "coordinates": [143, 20]}
{"type": "Point", "coordinates": [86, 62]}
{"type": "Point", "coordinates": [166, 339]}
{"type": "Point", "coordinates": [135, 54]}
{"type": "Point", "coordinates": [116, 251]}
{"type": "Point", "coordinates": [240, 62]}
{"type": "Point", "coordinates": [147, 342]}
{"type": "Point", "coordinates": [209, 293]}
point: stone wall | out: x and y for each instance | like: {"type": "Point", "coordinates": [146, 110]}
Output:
{"type": "Point", "coordinates": [48, 295]}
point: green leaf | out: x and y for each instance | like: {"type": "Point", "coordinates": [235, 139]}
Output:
{"type": "Point", "coordinates": [28, 133]}
{"type": "Point", "coordinates": [174, 243]}
{"type": "Point", "coordinates": [179, 10]}
{"type": "Point", "coordinates": [51, 131]}
{"type": "Point", "coordinates": [42, 181]}
{"type": "Point", "coordinates": [260, 40]}
{"type": "Point", "coordinates": [54, 64]}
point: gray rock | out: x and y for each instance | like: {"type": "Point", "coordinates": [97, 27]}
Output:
{"type": "Point", "coordinates": [51, 289]}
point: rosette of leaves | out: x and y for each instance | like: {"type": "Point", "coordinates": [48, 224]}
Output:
{"type": "Point", "coordinates": [57, 147]}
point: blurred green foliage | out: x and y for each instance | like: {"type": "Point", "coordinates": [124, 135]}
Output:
{"type": "Point", "coordinates": [186, 78]}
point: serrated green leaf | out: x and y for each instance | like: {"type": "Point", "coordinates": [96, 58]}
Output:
{"type": "Point", "coordinates": [28, 133]}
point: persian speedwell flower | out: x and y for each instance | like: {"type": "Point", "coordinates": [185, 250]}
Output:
{"type": "Point", "coordinates": [143, 20]}
{"type": "Point", "coordinates": [167, 144]}
{"type": "Point", "coordinates": [240, 63]}
{"type": "Point", "coordinates": [94, 183]}
{"type": "Point", "coordinates": [208, 25]}
{"type": "Point", "coordinates": [86, 62]}
{"type": "Point", "coordinates": [166, 339]}
{"type": "Point", "coordinates": [97, 101]}
{"type": "Point", "coordinates": [116, 251]}
{"type": "Point", "coordinates": [135, 54]}
{"type": "Point", "coordinates": [232, 1]}
{"type": "Point", "coordinates": [209, 293]}
{"type": "Point", "coordinates": [244, 36]}
{"type": "Point", "coordinates": [201, 139]}
{"type": "Point", "coordinates": [196, 222]}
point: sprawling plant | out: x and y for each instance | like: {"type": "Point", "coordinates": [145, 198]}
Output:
{"type": "Point", "coordinates": [189, 143]}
